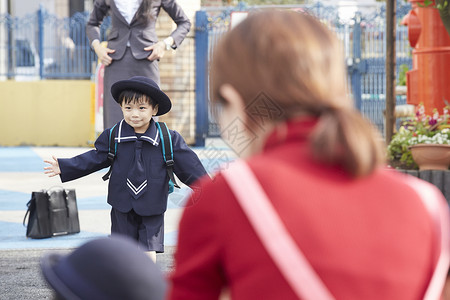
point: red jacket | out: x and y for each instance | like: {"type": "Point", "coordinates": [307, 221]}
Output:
{"type": "Point", "coordinates": [369, 238]}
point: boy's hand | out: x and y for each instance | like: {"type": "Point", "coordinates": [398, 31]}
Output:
{"type": "Point", "coordinates": [53, 169]}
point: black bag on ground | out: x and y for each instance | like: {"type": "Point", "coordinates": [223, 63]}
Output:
{"type": "Point", "coordinates": [52, 212]}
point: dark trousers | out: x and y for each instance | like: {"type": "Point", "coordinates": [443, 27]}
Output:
{"type": "Point", "coordinates": [148, 231]}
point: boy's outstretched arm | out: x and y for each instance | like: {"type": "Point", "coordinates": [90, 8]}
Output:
{"type": "Point", "coordinates": [83, 164]}
{"type": "Point", "coordinates": [53, 168]}
{"type": "Point", "coordinates": [188, 166]}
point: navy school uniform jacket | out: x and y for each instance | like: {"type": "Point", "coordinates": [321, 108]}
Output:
{"type": "Point", "coordinates": [187, 167]}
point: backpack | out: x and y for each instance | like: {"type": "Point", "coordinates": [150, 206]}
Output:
{"type": "Point", "coordinates": [167, 152]}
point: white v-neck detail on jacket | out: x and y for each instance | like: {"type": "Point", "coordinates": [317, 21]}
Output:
{"type": "Point", "coordinates": [120, 138]}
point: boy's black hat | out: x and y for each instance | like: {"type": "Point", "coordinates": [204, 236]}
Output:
{"type": "Point", "coordinates": [104, 268]}
{"type": "Point", "coordinates": [146, 86]}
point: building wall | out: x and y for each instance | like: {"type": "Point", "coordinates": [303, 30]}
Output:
{"type": "Point", "coordinates": [47, 113]}
{"type": "Point", "coordinates": [3, 37]}
{"type": "Point", "coordinates": [60, 8]}
{"type": "Point", "coordinates": [21, 8]}
{"type": "Point", "coordinates": [3, 6]}
{"type": "Point", "coordinates": [206, 3]}
{"type": "Point", "coordinates": [177, 70]}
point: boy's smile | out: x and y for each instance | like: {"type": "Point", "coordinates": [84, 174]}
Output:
{"type": "Point", "coordinates": [138, 114]}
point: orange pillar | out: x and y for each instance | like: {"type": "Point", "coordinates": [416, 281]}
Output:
{"type": "Point", "coordinates": [429, 80]}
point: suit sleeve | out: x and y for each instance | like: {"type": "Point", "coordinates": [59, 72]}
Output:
{"type": "Point", "coordinates": [101, 9]}
{"type": "Point", "coordinates": [88, 162]}
{"type": "Point", "coordinates": [177, 14]}
{"type": "Point", "coordinates": [188, 166]}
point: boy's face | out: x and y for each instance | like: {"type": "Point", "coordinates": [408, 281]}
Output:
{"type": "Point", "coordinates": [138, 113]}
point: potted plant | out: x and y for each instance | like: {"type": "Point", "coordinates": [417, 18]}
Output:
{"type": "Point", "coordinates": [420, 129]}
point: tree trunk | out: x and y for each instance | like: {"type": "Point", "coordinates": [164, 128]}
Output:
{"type": "Point", "coordinates": [390, 69]}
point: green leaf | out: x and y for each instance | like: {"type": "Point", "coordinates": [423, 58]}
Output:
{"type": "Point", "coordinates": [426, 3]}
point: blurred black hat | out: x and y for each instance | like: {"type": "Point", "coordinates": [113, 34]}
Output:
{"type": "Point", "coordinates": [105, 268]}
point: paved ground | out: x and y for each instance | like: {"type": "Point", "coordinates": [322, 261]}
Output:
{"type": "Point", "coordinates": [21, 172]}
{"type": "Point", "coordinates": [20, 275]}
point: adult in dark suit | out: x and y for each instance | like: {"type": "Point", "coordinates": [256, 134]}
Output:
{"type": "Point", "coordinates": [133, 47]}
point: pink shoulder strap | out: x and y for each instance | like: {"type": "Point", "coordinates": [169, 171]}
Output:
{"type": "Point", "coordinates": [292, 263]}
{"type": "Point", "coordinates": [273, 234]}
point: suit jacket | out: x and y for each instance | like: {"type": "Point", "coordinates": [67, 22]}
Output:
{"type": "Point", "coordinates": [140, 34]}
{"type": "Point", "coordinates": [187, 167]}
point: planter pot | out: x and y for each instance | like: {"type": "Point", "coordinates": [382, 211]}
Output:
{"type": "Point", "coordinates": [431, 156]}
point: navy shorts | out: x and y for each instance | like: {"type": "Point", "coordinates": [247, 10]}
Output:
{"type": "Point", "coordinates": [147, 230]}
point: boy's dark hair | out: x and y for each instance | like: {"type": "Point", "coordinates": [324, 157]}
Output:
{"type": "Point", "coordinates": [128, 96]}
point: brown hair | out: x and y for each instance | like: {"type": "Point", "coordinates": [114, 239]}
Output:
{"type": "Point", "coordinates": [144, 11]}
{"type": "Point", "coordinates": [298, 63]}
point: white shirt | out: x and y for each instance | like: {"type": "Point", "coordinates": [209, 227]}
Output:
{"type": "Point", "coordinates": [128, 8]}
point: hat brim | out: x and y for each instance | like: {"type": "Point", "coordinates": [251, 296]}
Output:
{"type": "Point", "coordinates": [163, 101]}
{"type": "Point", "coordinates": [48, 263]}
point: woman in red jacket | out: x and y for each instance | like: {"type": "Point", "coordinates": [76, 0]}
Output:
{"type": "Point", "coordinates": [280, 79]}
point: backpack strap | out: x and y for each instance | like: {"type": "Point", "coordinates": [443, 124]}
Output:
{"type": "Point", "coordinates": [167, 150]}
{"type": "Point", "coordinates": [112, 150]}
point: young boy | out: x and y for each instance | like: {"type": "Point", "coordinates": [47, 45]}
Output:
{"type": "Point", "coordinates": [138, 187]}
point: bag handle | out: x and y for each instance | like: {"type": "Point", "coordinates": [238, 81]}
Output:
{"type": "Point", "coordinates": [27, 213]}
{"type": "Point", "coordinates": [53, 188]}
{"type": "Point", "coordinates": [273, 234]}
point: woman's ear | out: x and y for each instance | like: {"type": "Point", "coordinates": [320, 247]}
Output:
{"type": "Point", "coordinates": [232, 97]}
{"type": "Point", "coordinates": [238, 130]}
{"type": "Point", "coordinates": [235, 120]}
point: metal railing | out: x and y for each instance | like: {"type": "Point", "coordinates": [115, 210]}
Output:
{"type": "Point", "coordinates": [43, 46]}
{"type": "Point", "coordinates": [363, 38]}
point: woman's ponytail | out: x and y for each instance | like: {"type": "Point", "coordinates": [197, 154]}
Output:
{"type": "Point", "coordinates": [343, 137]}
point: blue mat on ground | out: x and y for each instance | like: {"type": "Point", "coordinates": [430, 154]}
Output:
{"type": "Point", "coordinates": [13, 237]}
{"type": "Point", "coordinates": [23, 159]}
{"type": "Point", "coordinates": [10, 200]}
